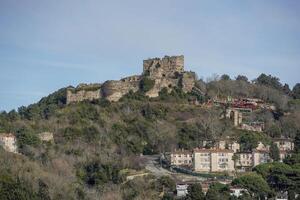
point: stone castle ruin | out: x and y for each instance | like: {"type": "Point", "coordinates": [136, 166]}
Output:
{"type": "Point", "coordinates": [167, 72]}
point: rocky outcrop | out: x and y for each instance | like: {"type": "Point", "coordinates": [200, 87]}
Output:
{"type": "Point", "coordinates": [167, 72]}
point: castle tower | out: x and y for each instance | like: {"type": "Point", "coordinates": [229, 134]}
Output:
{"type": "Point", "coordinates": [168, 66]}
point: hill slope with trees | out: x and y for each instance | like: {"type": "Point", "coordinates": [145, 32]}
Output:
{"type": "Point", "coordinates": [97, 143]}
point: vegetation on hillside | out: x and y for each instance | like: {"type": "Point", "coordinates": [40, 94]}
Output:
{"type": "Point", "coordinates": [97, 143]}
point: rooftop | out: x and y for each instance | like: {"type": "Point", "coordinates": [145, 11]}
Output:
{"type": "Point", "coordinates": [213, 150]}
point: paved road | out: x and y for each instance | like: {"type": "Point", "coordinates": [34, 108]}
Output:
{"type": "Point", "coordinates": [152, 164]}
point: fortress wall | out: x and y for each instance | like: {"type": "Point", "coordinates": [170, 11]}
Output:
{"type": "Point", "coordinates": [167, 72]}
{"type": "Point", "coordinates": [165, 67]}
{"type": "Point", "coordinates": [114, 90]}
{"type": "Point", "coordinates": [81, 95]}
{"type": "Point", "coordinates": [160, 84]}
{"type": "Point", "coordinates": [188, 80]}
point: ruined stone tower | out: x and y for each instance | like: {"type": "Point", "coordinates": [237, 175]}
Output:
{"type": "Point", "coordinates": [165, 67]}
{"type": "Point", "coordinates": [167, 72]}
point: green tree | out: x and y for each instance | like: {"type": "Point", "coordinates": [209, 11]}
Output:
{"type": "Point", "coordinates": [241, 78]}
{"type": "Point", "coordinates": [269, 80]}
{"type": "Point", "coordinates": [280, 176]}
{"type": "Point", "coordinates": [15, 189]}
{"type": "Point", "coordinates": [25, 136]}
{"type": "Point", "coordinates": [195, 192]}
{"type": "Point", "coordinates": [286, 89]}
{"type": "Point", "coordinates": [263, 169]}
{"type": "Point", "coordinates": [274, 130]}
{"type": "Point", "coordinates": [225, 77]}
{"type": "Point", "coordinates": [166, 184]}
{"type": "Point", "coordinates": [146, 84]}
{"type": "Point", "coordinates": [95, 173]}
{"type": "Point", "coordinates": [274, 152]}
{"type": "Point", "coordinates": [248, 141]}
{"type": "Point", "coordinates": [297, 142]}
{"type": "Point", "coordinates": [43, 193]}
{"type": "Point", "coordinates": [296, 91]}
{"type": "Point", "coordinates": [293, 159]}
{"type": "Point", "coordinates": [255, 184]}
{"type": "Point", "coordinates": [218, 191]}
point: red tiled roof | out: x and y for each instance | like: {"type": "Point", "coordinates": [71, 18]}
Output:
{"type": "Point", "coordinates": [181, 151]}
{"type": "Point", "coordinates": [283, 139]}
{"type": "Point", "coordinates": [260, 151]}
{"type": "Point", "coordinates": [214, 150]}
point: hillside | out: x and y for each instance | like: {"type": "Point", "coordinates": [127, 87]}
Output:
{"type": "Point", "coordinates": [97, 142]}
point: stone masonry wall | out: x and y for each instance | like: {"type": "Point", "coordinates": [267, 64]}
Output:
{"type": "Point", "coordinates": [114, 90]}
{"type": "Point", "coordinates": [188, 80]}
{"type": "Point", "coordinates": [167, 72]}
{"type": "Point", "coordinates": [83, 92]}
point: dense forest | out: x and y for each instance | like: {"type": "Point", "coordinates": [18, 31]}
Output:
{"type": "Point", "coordinates": [98, 143]}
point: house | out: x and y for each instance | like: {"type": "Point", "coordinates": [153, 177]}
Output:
{"type": "Point", "coordinates": [244, 161]}
{"type": "Point", "coordinates": [284, 144]}
{"type": "Point", "coordinates": [282, 196]}
{"type": "Point", "coordinates": [208, 144]}
{"type": "Point", "coordinates": [234, 115]}
{"type": "Point", "coordinates": [262, 147]}
{"type": "Point", "coordinates": [260, 156]}
{"type": "Point", "coordinates": [253, 126]}
{"type": "Point", "coordinates": [237, 191]}
{"type": "Point", "coordinates": [181, 190]}
{"type": "Point", "coordinates": [213, 160]}
{"type": "Point", "coordinates": [244, 105]}
{"type": "Point", "coordinates": [181, 157]}
{"type": "Point", "coordinates": [228, 144]}
{"type": "Point", "coordinates": [283, 154]}
{"type": "Point", "coordinates": [9, 142]}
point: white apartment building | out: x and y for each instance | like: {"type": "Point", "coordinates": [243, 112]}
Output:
{"type": "Point", "coordinates": [228, 144]}
{"type": "Point", "coordinates": [181, 157]}
{"type": "Point", "coordinates": [244, 160]}
{"type": "Point", "coordinates": [260, 157]}
{"type": "Point", "coordinates": [213, 160]}
{"type": "Point", "coordinates": [284, 144]}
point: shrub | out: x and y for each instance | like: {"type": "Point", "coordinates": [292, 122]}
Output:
{"type": "Point", "coordinates": [27, 137]}
{"type": "Point", "coordinates": [15, 189]}
{"type": "Point", "coordinates": [95, 174]}
{"type": "Point", "coordinates": [146, 84]}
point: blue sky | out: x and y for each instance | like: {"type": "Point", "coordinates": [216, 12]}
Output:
{"type": "Point", "coordinates": [46, 45]}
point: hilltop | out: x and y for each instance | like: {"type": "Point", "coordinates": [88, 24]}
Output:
{"type": "Point", "coordinates": [100, 130]}
{"type": "Point", "coordinates": [167, 72]}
